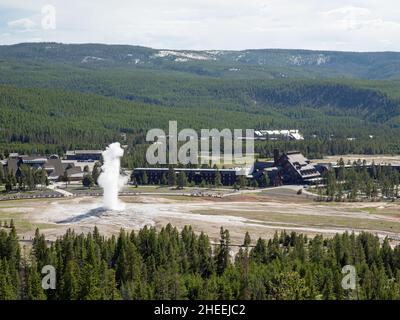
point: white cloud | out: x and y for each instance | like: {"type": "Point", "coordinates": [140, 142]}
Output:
{"type": "Point", "coordinates": [353, 18]}
{"type": "Point", "coordinates": [348, 11]}
{"type": "Point", "coordinates": [365, 25]}
{"type": "Point", "coordinates": [23, 24]}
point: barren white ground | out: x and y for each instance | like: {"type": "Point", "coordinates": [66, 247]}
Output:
{"type": "Point", "coordinates": [261, 215]}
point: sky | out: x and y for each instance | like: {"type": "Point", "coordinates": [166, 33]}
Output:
{"type": "Point", "coordinates": [365, 25]}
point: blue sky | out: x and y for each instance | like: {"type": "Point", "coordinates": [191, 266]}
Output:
{"type": "Point", "coordinates": [367, 25]}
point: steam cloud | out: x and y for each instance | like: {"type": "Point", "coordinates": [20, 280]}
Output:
{"type": "Point", "coordinates": [110, 179]}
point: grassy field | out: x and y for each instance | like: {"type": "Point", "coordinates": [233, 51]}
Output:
{"type": "Point", "coordinates": [312, 220]}
{"type": "Point", "coordinates": [17, 210]}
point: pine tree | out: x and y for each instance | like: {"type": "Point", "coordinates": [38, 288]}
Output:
{"type": "Point", "coordinates": [108, 286]}
{"type": "Point", "coordinates": [206, 267]}
{"type": "Point", "coordinates": [1, 175]}
{"type": "Point", "coordinates": [163, 181]}
{"type": "Point", "coordinates": [89, 283]}
{"type": "Point", "coordinates": [65, 178]}
{"type": "Point", "coordinates": [145, 179]}
{"type": "Point", "coordinates": [70, 280]}
{"type": "Point", "coordinates": [223, 255]}
{"type": "Point", "coordinates": [40, 249]}
{"type": "Point", "coordinates": [34, 290]}
{"type": "Point", "coordinates": [247, 240]}
{"type": "Point", "coordinates": [88, 181]}
{"type": "Point", "coordinates": [265, 181]}
{"type": "Point", "coordinates": [259, 252]}
{"type": "Point", "coordinates": [217, 182]}
{"type": "Point", "coordinates": [287, 286]}
{"type": "Point", "coordinates": [182, 180]}
{"type": "Point", "coordinates": [96, 172]}
{"type": "Point", "coordinates": [171, 176]}
{"type": "Point", "coordinates": [7, 290]}
{"type": "Point", "coordinates": [43, 178]}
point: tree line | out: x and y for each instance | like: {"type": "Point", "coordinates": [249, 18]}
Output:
{"type": "Point", "coordinates": [172, 264]}
{"type": "Point", "coordinates": [27, 180]}
{"type": "Point", "coordinates": [360, 182]}
{"type": "Point", "coordinates": [53, 120]}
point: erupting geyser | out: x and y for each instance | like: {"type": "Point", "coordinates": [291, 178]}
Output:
{"type": "Point", "coordinates": [110, 178]}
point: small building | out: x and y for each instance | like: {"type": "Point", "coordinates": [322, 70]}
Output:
{"type": "Point", "coordinates": [12, 165]}
{"type": "Point", "coordinates": [34, 161]}
{"type": "Point", "coordinates": [54, 167]}
{"type": "Point", "coordinates": [75, 173]}
{"type": "Point", "coordinates": [13, 155]}
{"type": "Point", "coordinates": [260, 167]}
{"type": "Point", "coordinates": [290, 134]}
{"type": "Point", "coordinates": [84, 155]}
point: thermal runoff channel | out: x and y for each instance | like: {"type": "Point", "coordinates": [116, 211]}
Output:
{"type": "Point", "coordinates": [110, 178]}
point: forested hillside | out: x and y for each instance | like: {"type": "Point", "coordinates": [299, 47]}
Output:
{"type": "Point", "coordinates": [54, 97]}
{"type": "Point", "coordinates": [169, 264]}
{"type": "Point", "coordinates": [266, 63]}
{"type": "Point", "coordinates": [46, 121]}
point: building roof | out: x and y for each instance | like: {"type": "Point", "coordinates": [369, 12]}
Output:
{"type": "Point", "coordinates": [13, 155]}
{"type": "Point", "coordinates": [75, 172]}
{"type": "Point", "coordinates": [75, 152]}
{"type": "Point", "coordinates": [302, 165]}
{"type": "Point", "coordinates": [33, 159]}
{"type": "Point", "coordinates": [67, 165]}
{"type": "Point", "coordinates": [297, 158]}
{"type": "Point", "coordinates": [55, 167]}
{"type": "Point", "coordinates": [12, 165]}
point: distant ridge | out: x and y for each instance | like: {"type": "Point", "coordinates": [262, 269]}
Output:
{"type": "Point", "coordinates": [251, 63]}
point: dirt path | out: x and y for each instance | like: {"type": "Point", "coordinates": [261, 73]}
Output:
{"type": "Point", "coordinates": [60, 191]}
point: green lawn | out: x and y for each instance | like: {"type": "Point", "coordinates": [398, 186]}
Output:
{"type": "Point", "coordinates": [21, 222]}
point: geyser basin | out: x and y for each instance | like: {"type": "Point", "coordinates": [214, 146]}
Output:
{"type": "Point", "coordinates": [85, 213]}
{"type": "Point", "coordinates": [110, 178]}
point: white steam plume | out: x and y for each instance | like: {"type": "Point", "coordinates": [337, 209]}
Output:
{"type": "Point", "coordinates": [110, 179]}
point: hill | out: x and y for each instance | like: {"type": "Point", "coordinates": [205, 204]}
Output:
{"type": "Point", "coordinates": [56, 96]}
{"type": "Point", "coordinates": [266, 63]}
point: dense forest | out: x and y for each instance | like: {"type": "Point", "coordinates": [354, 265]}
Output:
{"type": "Point", "coordinates": [244, 64]}
{"type": "Point", "coordinates": [360, 182]}
{"type": "Point", "coordinates": [169, 264]}
{"type": "Point", "coordinates": [52, 121]}
{"type": "Point", "coordinates": [54, 98]}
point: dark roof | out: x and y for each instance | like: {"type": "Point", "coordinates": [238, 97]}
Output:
{"type": "Point", "coordinates": [74, 170]}
{"type": "Point", "coordinates": [67, 165]}
{"type": "Point", "coordinates": [261, 165]}
{"type": "Point", "coordinates": [33, 159]}
{"type": "Point", "coordinates": [301, 164]}
{"type": "Point", "coordinates": [56, 167]}
{"type": "Point", "coordinates": [12, 165]}
{"type": "Point", "coordinates": [75, 152]}
{"type": "Point", "coordinates": [298, 158]}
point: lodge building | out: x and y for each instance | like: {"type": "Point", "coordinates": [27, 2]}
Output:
{"type": "Point", "coordinates": [196, 175]}
{"type": "Point", "coordinates": [288, 168]}
{"type": "Point", "coordinates": [54, 166]}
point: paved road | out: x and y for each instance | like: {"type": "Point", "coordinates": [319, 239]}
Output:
{"type": "Point", "coordinates": [55, 188]}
